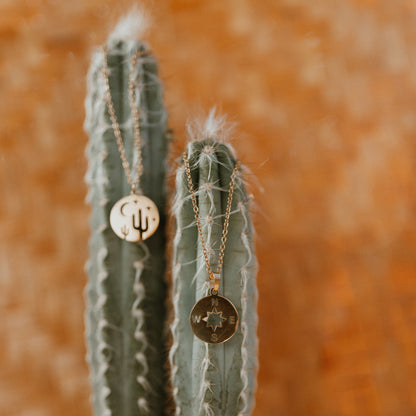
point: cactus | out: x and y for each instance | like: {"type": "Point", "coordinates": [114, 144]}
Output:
{"type": "Point", "coordinates": [210, 379]}
{"type": "Point", "coordinates": [126, 288]}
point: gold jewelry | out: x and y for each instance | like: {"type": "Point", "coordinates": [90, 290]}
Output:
{"type": "Point", "coordinates": [134, 217]}
{"type": "Point", "coordinates": [205, 322]}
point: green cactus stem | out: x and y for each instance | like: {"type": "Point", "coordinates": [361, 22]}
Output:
{"type": "Point", "coordinates": [212, 379]}
{"type": "Point", "coordinates": [126, 287]}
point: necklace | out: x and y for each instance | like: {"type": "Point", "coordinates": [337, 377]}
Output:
{"type": "Point", "coordinates": [213, 319]}
{"type": "Point", "coordinates": [134, 217]}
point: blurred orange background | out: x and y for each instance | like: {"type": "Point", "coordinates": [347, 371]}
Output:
{"type": "Point", "coordinates": [324, 93]}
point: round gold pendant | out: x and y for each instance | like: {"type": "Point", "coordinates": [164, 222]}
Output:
{"type": "Point", "coordinates": [134, 217]}
{"type": "Point", "coordinates": [214, 319]}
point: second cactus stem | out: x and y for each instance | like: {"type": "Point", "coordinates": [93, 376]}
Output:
{"type": "Point", "coordinates": [211, 379]}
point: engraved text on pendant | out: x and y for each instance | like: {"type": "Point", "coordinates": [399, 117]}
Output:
{"type": "Point", "coordinates": [214, 319]}
{"type": "Point", "coordinates": [134, 217]}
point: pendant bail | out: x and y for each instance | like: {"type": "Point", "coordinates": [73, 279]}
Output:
{"type": "Point", "coordinates": [214, 283]}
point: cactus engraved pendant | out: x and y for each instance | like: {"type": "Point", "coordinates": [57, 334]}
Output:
{"type": "Point", "coordinates": [134, 218]}
{"type": "Point", "coordinates": [214, 319]}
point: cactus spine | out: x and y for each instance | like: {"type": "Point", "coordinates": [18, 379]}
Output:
{"type": "Point", "coordinates": [209, 379]}
{"type": "Point", "coordinates": [126, 285]}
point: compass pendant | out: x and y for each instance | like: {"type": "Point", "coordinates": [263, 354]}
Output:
{"type": "Point", "coordinates": [214, 319]}
{"type": "Point", "coordinates": [134, 217]}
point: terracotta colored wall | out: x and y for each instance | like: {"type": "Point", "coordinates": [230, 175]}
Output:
{"type": "Point", "coordinates": [325, 96]}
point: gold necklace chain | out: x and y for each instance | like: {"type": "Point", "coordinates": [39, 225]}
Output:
{"type": "Point", "coordinates": [213, 277]}
{"type": "Point", "coordinates": [134, 184]}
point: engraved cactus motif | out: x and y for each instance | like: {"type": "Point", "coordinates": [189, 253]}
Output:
{"type": "Point", "coordinates": [139, 227]}
{"type": "Point", "coordinates": [124, 230]}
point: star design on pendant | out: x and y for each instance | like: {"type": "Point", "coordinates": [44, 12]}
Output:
{"type": "Point", "coordinates": [214, 319]}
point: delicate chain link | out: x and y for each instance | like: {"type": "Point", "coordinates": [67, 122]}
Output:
{"type": "Point", "coordinates": [211, 274]}
{"type": "Point", "coordinates": [134, 184]}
